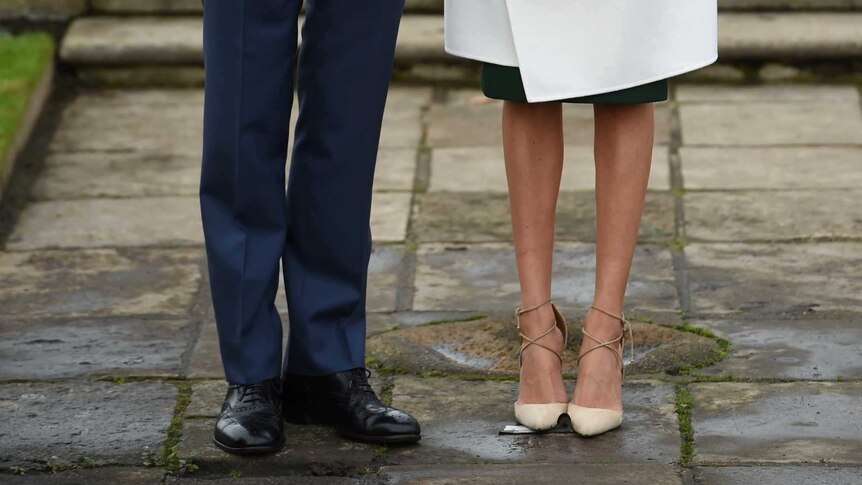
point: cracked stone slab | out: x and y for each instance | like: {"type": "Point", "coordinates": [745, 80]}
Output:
{"type": "Point", "coordinates": [806, 349]}
{"type": "Point", "coordinates": [777, 423]}
{"type": "Point", "coordinates": [754, 278]}
{"type": "Point", "coordinates": [484, 217]}
{"type": "Point", "coordinates": [310, 450]}
{"type": "Point", "coordinates": [94, 223]}
{"type": "Point", "coordinates": [155, 121]}
{"type": "Point", "coordinates": [779, 93]}
{"type": "Point", "coordinates": [529, 473]}
{"type": "Point", "coordinates": [78, 175]}
{"type": "Point", "coordinates": [460, 420]}
{"type": "Point", "coordinates": [776, 475]}
{"type": "Point", "coordinates": [53, 349]}
{"type": "Point", "coordinates": [484, 277]}
{"type": "Point", "coordinates": [731, 168]}
{"type": "Point", "coordinates": [482, 169]}
{"type": "Point", "coordinates": [98, 283]}
{"type": "Point", "coordinates": [59, 422]}
{"type": "Point", "coordinates": [773, 216]}
{"type": "Point", "coordinates": [97, 476]}
{"type": "Point", "coordinates": [762, 124]}
{"type": "Point", "coordinates": [467, 118]}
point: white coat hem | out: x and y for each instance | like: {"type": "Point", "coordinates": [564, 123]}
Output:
{"type": "Point", "coordinates": [603, 90]}
{"type": "Point", "coordinates": [477, 58]}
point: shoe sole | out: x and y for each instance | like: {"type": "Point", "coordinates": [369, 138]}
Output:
{"type": "Point", "coordinates": [250, 450]}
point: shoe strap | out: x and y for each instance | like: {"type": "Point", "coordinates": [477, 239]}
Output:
{"type": "Point", "coordinates": [559, 322]}
{"type": "Point", "coordinates": [611, 344]}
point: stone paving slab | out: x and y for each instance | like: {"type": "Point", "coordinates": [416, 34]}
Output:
{"type": "Point", "coordinates": [460, 420]}
{"type": "Point", "coordinates": [805, 349]}
{"type": "Point", "coordinates": [281, 480]}
{"type": "Point", "coordinates": [773, 215]}
{"type": "Point", "coordinates": [774, 279]}
{"type": "Point", "coordinates": [98, 476]}
{"type": "Point", "coordinates": [390, 213]}
{"type": "Point", "coordinates": [764, 124]}
{"type": "Point", "coordinates": [467, 118]}
{"type": "Point", "coordinates": [532, 474]}
{"type": "Point", "coordinates": [482, 169]}
{"type": "Point", "coordinates": [484, 277]}
{"type": "Point", "coordinates": [98, 223]}
{"type": "Point", "coordinates": [79, 175]}
{"type": "Point", "coordinates": [780, 93]}
{"type": "Point", "coordinates": [801, 422]}
{"type": "Point", "coordinates": [730, 168]}
{"type": "Point", "coordinates": [396, 169]}
{"type": "Point", "coordinates": [777, 475]}
{"type": "Point", "coordinates": [155, 121]}
{"type": "Point", "coordinates": [62, 422]}
{"type": "Point", "coordinates": [98, 283]}
{"type": "Point", "coordinates": [484, 217]}
{"type": "Point", "coordinates": [53, 349]}
{"type": "Point", "coordinates": [311, 450]}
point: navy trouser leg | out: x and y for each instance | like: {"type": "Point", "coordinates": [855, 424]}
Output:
{"type": "Point", "coordinates": [345, 64]}
{"type": "Point", "coordinates": [249, 51]}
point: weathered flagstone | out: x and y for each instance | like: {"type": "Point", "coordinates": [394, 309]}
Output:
{"type": "Point", "coordinates": [95, 223]}
{"type": "Point", "coordinates": [133, 40]}
{"type": "Point", "coordinates": [807, 349]}
{"type": "Point", "coordinates": [484, 217]}
{"type": "Point", "coordinates": [98, 283]}
{"type": "Point", "coordinates": [390, 213]}
{"type": "Point", "coordinates": [102, 421]}
{"type": "Point", "coordinates": [796, 36]}
{"type": "Point", "coordinates": [777, 475]}
{"type": "Point", "coordinates": [764, 124]}
{"type": "Point", "coordinates": [781, 93]}
{"type": "Point", "coordinates": [460, 421]}
{"type": "Point", "coordinates": [773, 215]}
{"type": "Point", "coordinates": [481, 169]}
{"type": "Point", "coordinates": [310, 450]}
{"type": "Point", "coordinates": [771, 168]}
{"type": "Point", "coordinates": [789, 279]}
{"type": "Point", "coordinates": [467, 118]}
{"type": "Point", "coordinates": [530, 473]}
{"type": "Point", "coordinates": [79, 175]}
{"type": "Point", "coordinates": [280, 480]}
{"type": "Point", "coordinates": [402, 119]}
{"type": "Point", "coordinates": [145, 6]}
{"type": "Point", "coordinates": [205, 361]}
{"type": "Point", "coordinates": [62, 348]}
{"type": "Point", "coordinates": [97, 476]}
{"type": "Point", "coordinates": [484, 277]}
{"type": "Point", "coordinates": [155, 121]}
{"type": "Point", "coordinates": [490, 346]}
{"type": "Point", "coordinates": [396, 169]}
{"type": "Point", "coordinates": [777, 423]}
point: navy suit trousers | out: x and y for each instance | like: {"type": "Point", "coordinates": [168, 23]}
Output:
{"type": "Point", "coordinates": [319, 228]}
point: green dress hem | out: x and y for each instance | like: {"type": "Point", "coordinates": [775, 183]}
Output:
{"type": "Point", "coordinates": [504, 82]}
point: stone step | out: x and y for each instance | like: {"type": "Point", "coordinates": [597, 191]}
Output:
{"type": "Point", "coordinates": [168, 7]}
{"type": "Point", "coordinates": [126, 46]}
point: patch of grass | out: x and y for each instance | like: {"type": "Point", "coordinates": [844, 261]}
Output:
{"type": "Point", "coordinates": [678, 243]}
{"type": "Point", "coordinates": [55, 466]}
{"type": "Point", "coordinates": [683, 404]}
{"type": "Point", "coordinates": [469, 318]}
{"type": "Point", "coordinates": [379, 450]}
{"type": "Point", "coordinates": [717, 355]}
{"type": "Point", "coordinates": [18, 470]}
{"type": "Point", "coordinates": [234, 474]}
{"type": "Point", "coordinates": [87, 462]}
{"type": "Point", "coordinates": [23, 59]}
{"type": "Point", "coordinates": [167, 455]}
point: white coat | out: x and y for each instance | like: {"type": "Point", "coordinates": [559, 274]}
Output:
{"type": "Point", "coordinates": [572, 48]}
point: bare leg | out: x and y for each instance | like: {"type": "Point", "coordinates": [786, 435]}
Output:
{"type": "Point", "coordinates": [623, 151]}
{"type": "Point", "coordinates": [533, 148]}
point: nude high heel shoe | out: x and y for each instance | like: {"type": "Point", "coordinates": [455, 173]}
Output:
{"type": "Point", "coordinates": [540, 416]}
{"type": "Point", "coordinates": [595, 421]}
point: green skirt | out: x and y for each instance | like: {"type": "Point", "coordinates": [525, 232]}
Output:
{"type": "Point", "coordinates": [503, 82]}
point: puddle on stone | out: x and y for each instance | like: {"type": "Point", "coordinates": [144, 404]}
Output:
{"type": "Point", "coordinates": [490, 345]}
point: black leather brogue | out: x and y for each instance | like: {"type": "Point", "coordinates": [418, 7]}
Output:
{"type": "Point", "coordinates": [346, 402]}
{"type": "Point", "coordinates": [250, 421]}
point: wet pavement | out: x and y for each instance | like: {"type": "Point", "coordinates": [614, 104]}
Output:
{"type": "Point", "coordinates": [745, 297]}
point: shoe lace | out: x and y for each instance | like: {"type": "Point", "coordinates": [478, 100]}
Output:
{"type": "Point", "coordinates": [360, 381]}
{"type": "Point", "coordinates": [251, 393]}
